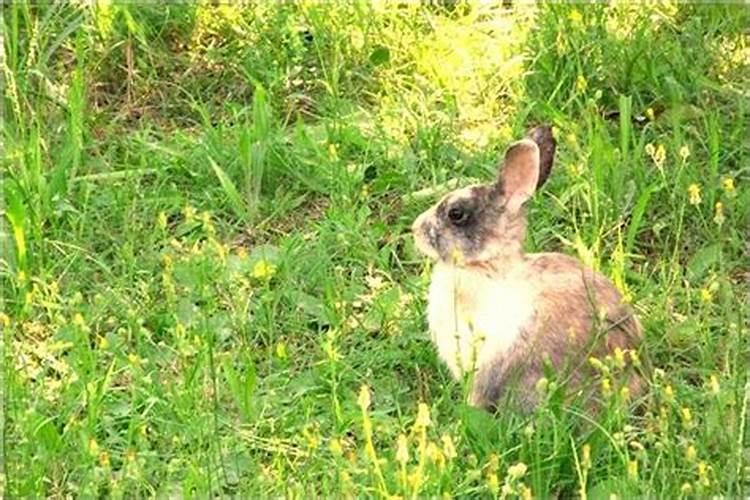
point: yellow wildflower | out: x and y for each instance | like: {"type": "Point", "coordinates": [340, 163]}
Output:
{"type": "Point", "coordinates": [728, 185]}
{"type": "Point", "coordinates": [619, 357]}
{"type": "Point", "coordinates": [517, 471]}
{"type": "Point", "coordinates": [449, 450]}
{"type": "Point", "coordinates": [694, 194]}
{"type": "Point", "coordinates": [103, 342]}
{"type": "Point", "coordinates": [713, 385]}
{"type": "Point", "coordinates": [706, 295]}
{"type": "Point", "coordinates": [364, 397]}
{"type": "Point", "coordinates": [719, 213]}
{"type": "Point", "coordinates": [687, 416]}
{"type": "Point", "coordinates": [690, 453]}
{"type": "Point", "coordinates": [684, 152]}
{"type": "Point", "coordinates": [134, 359]}
{"type": "Point", "coordinates": [625, 393]}
{"type": "Point", "coordinates": [78, 320]}
{"type": "Point", "coordinates": [686, 488]}
{"type": "Point", "coordinates": [281, 350]}
{"type": "Point", "coordinates": [402, 450]}
{"type": "Point", "coordinates": [423, 416]}
{"type": "Point", "coordinates": [586, 456]}
{"type": "Point", "coordinates": [659, 155]}
{"type": "Point", "coordinates": [435, 454]}
{"type": "Point", "coordinates": [188, 212]}
{"type": "Point", "coordinates": [581, 84]}
{"type": "Point", "coordinates": [650, 114]}
{"type": "Point", "coordinates": [104, 459]}
{"type": "Point", "coordinates": [541, 385]}
{"type": "Point", "coordinates": [524, 492]}
{"type": "Point", "coordinates": [162, 220]}
{"type": "Point", "coordinates": [334, 446]}
{"type": "Point", "coordinates": [576, 18]}
{"type": "Point", "coordinates": [606, 386]}
{"type": "Point", "coordinates": [668, 394]}
{"type": "Point", "coordinates": [633, 469]}
{"type": "Point", "coordinates": [93, 447]}
{"type": "Point", "coordinates": [703, 474]}
{"type": "Point", "coordinates": [263, 270]}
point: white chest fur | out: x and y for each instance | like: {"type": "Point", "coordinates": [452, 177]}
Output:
{"type": "Point", "coordinates": [474, 318]}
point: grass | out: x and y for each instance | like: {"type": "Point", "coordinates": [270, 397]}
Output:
{"type": "Point", "coordinates": [209, 285]}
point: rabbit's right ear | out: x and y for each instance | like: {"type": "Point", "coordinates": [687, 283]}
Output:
{"type": "Point", "coordinates": [520, 173]}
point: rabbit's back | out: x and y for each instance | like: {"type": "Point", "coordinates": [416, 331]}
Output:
{"type": "Point", "coordinates": [578, 313]}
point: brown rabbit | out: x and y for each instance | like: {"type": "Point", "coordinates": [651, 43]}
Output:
{"type": "Point", "coordinates": [498, 313]}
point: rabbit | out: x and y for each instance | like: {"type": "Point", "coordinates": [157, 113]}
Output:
{"type": "Point", "coordinates": [504, 316]}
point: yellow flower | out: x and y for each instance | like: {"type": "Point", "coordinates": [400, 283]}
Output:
{"type": "Point", "coordinates": [134, 359]}
{"type": "Point", "coordinates": [449, 450]}
{"type": "Point", "coordinates": [78, 320]}
{"type": "Point", "coordinates": [104, 459]}
{"type": "Point", "coordinates": [633, 469]}
{"type": "Point", "coordinates": [333, 152]}
{"type": "Point", "coordinates": [694, 194]}
{"type": "Point", "coordinates": [684, 152]}
{"type": "Point", "coordinates": [706, 295]}
{"type": "Point", "coordinates": [188, 212]}
{"type": "Point", "coordinates": [93, 447]}
{"type": "Point", "coordinates": [703, 473]}
{"type": "Point", "coordinates": [541, 385]}
{"type": "Point", "coordinates": [103, 342]}
{"type": "Point", "coordinates": [281, 350]}
{"type": "Point", "coordinates": [668, 394]}
{"type": "Point", "coordinates": [4, 320]}
{"type": "Point", "coordinates": [423, 416]}
{"type": "Point", "coordinates": [606, 386]}
{"type": "Point", "coordinates": [581, 84]}
{"type": "Point", "coordinates": [619, 357]}
{"type": "Point", "coordinates": [402, 450]}
{"type": "Point", "coordinates": [728, 185]}
{"type": "Point", "coordinates": [625, 393]}
{"type": "Point", "coordinates": [686, 488]}
{"type": "Point", "coordinates": [364, 397]}
{"type": "Point", "coordinates": [687, 416]}
{"type": "Point", "coordinates": [719, 213]}
{"type": "Point", "coordinates": [586, 456]}
{"type": "Point", "coordinates": [576, 17]}
{"type": "Point", "coordinates": [713, 385]}
{"type": "Point", "coordinates": [435, 455]}
{"type": "Point", "coordinates": [334, 446]}
{"type": "Point", "coordinates": [691, 454]}
{"type": "Point", "coordinates": [263, 270]}
{"type": "Point", "coordinates": [517, 471]}
{"type": "Point", "coordinates": [650, 114]}
{"type": "Point", "coordinates": [634, 358]}
{"type": "Point", "coordinates": [657, 153]}
{"type": "Point", "coordinates": [524, 492]}
{"type": "Point", "coordinates": [162, 220]}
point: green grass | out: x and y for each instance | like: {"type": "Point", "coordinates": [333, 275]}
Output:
{"type": "Point", "coordinates": [209, 285]}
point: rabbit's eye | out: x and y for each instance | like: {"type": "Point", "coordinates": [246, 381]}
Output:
{"type": "Point", "coordinates": [458, 215]}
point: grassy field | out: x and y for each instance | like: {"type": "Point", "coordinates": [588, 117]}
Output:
{"type": "Point", "coordinates": [209, 283]}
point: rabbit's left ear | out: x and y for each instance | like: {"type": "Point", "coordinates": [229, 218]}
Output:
{"type": "Point", "coordinates": [547, 145]}
{"type": "Point", "coordinates": [520, 173]}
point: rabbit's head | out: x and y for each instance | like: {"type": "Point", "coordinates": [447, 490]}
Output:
{"type": "Point", "coordinates": [480, 223]}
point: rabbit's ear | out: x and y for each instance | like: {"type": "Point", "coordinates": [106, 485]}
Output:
{"type": "Point", "coordinates": [520, 173]}
{"type": "Point", "coordinates": [547, 144]}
